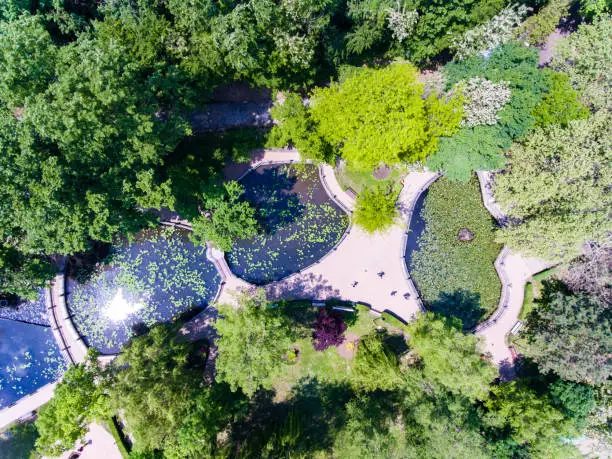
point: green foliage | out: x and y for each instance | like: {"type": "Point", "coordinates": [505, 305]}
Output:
{"type": "Point", "coordinates": [482, 147]}
{"type": "Point", "coordinates": [296, 128]}
{"type": "Point", "coordinates": [560, 105]}
{"type": "Point", "coordinates": [449, 358]}
{"type": "Point", "coordinates": [574, 400]}
{"type": "Point", "coordinates": [457, 278]}
{"type": "Point", "coordinates": [538, 27]}
{"type": "Point", "coordinates": [18, 441]}
{"type": "Point", "coordinates": [557, 189]}
{"type": "Point", "coordinates": [379, 116]}
{"type": "Point", "coordinates": [252, 341]}
{"type": "Point", "coordinates": [375, 209]}
{"type": "Point", "coordinates": [585, 57]}
{"type": "Point", "coordinates": [592, 9]}
{"type": "Point", "coordinates": [471, 149]}
{"type": "Point", "coordinates": [376, 366]}
{"type": "Point", "coordinates": [27, 59]}
{"type": "Point", "coordinates": [77, 401]}
{"type": "Point", "coordinates": [158, 383]}
{"type": "Point", "coordinates": [23, 275]}
{"type": "Point", "coordinates": [225, 217]}
{"type": "Point", "coordinates": [393, 321]}
{"type": "Point", "coordinates": [570, 335]}
{"type": "Point", "coordinates": [530, 417]}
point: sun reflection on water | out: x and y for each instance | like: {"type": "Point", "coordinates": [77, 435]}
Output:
{"type": "Point", "coordinates": [119, 308]}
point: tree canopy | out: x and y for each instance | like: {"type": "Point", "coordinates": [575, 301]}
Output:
{"type": "Point", "coordinates": [557, 188]}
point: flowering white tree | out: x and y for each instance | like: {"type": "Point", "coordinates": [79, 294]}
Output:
{"type": "Point", "coordinates": [293, 50]}
{"type": "Point", "coordinates": [401, 22]}
{"type": "Point", "coordinates": [493, 33]}
{"type": "Point", "coordinates": [483, 99]}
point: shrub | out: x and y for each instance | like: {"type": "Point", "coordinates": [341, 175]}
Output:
{"type": "Point", "coordinates": [539, 26]}
{"type": "Point", "coordinates": [375, 209]}
{"type": "Point", "coordinates": [329, 328]}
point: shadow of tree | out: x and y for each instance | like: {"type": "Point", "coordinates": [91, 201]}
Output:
{"type": "Point", "coordinates": [308, 286]}
{"type": "Point", "coordinates": [460, 304]}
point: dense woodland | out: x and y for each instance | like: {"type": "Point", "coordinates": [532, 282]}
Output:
{"type": "Point", "coordinates": [94, 103]}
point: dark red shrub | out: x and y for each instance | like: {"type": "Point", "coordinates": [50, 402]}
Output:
{"type": "Point", "coordinates": [328, 329]}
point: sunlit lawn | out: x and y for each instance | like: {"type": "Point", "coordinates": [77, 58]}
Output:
{"type": "Point", "coordinates": [328, 365]}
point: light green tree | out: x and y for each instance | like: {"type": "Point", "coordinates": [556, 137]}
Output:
{"type": "Point", "coordinates": [253, 338]}
{"type": "Point", "coordinates": [375, 209]}
{"type": "Point", "coordinates": [557, 189]}
{"type": "Point", "coordinates": [450, 358]}
{"type": "Point", "coordinates": [224, 217]}
{"type": "Point", "coordinates": [77, 401]}
{"type": "Point", "coordinates": [379, 116]}
{"type": "Point", "coordinates": [530, 417]}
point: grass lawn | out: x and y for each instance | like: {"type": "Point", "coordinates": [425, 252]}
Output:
{"type": "Point", "coordinates": [326, 366]}
{"type": "Point", "coordinates": [457, 278]}
{"type": "Point", "coordinates": [532, 291]}
{"type": "Point", "coordinates": [359, 180]}
{"type": "Point", "coordinates": [17, 441]}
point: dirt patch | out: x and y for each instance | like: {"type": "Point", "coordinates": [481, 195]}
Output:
{"type": "Point", "coordinates": [382, 172]}
{"type": "Point", "coordinates": [348, 348]}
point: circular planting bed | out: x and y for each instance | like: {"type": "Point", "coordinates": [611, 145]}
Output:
{"type": "Point", "coordinates": [300, 223]}
{"type": "Point", "coordinates": [451, 252]}
{"type": "Point", "coordinates": [153, 279]}
{"type": "Point", "coordinates": [29, 359]}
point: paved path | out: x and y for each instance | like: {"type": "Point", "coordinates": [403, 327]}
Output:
{"type": "Point", "coordinates": [514, 272]}
{"type": "Point", "coordinates": [26, 405]}
{"type": "Point", "coordinates": [99, 443]}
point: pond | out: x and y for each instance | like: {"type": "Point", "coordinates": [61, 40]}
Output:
{"type": "Point", "coordinates": [153, 279]}
{"type": "Point", "coordinates": [32, 312]}
{"type": "Point", "coordinates": [300, 223]}
{"type": "Point", "coordinates": [451, 250]}
{"type": "Point", "coordinates": [29, 359]}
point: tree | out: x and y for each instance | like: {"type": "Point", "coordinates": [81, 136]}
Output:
{"type": "Point", "coordinates": [27, 59]}
{"type": "Point", "coordinates": [530, 417]}
{"type": "Point", "coordinates": [469, 150]}
{"type": "Point", "coordinates": [560, 105]}
{"type": "Point", "coordinates": [224, 217]}
{"type": "Point", "coordinates": [296, 127]}
{"type": "Point", "coordinates": [584, 57]}
{"type": "Point", "coordinates": [329, 327]}
{"type": "Point", "coordinates": [449, 357]}
{"type": "Point", "coordinates": [483, 100]}
{"type": "Point", "coordinates": [538, 27]}
{"type": "Point", "coordinates": [158, 383]}
{"type": "Point", "coordinates": [487, 36]}
{"type": "Point", "coordinates": [376, 366]}
{"type": "Point", "coordinates": [570, 335]}
{"type": "Point", "coordinates": [379, 116]}
{"type": "Point", "coordinates": [375, 209]}
{"type": "Point", "coordinates": [253, 339]}
{"type": "Point", "coordinates": [77, 401]}
{"type": "Point", "coordinates": [574, 400]}
{"type": "Point", "coordinates": [23, 275]}
{"type": "Point", "coordinates": [590, 273]}
{"type": "Point", "coordinates": [556, 189]}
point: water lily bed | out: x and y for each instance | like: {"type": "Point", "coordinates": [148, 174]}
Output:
{"type": "Point", "coordinates": [300, 223]}
{"type": "Point", "coordinates": [153, 279]}
{"type": "Point", "coordinates": [34, 312]}
{"type": "Point", "coordinates": [451, 252]}
{"type": "Point", "coordinates": [29, 359]}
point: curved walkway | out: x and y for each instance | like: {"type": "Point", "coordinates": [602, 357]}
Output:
{"type": "Point", "coordinates": [514, 271]}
